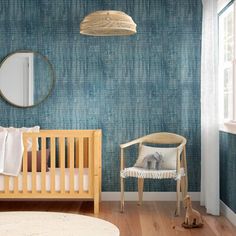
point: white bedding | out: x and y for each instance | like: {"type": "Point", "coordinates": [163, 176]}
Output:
{"type": "Point", "coordinates": [12, 151]}
{"type": "Point", "coordinates": [48, 185]}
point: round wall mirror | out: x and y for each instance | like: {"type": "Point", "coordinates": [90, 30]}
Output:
{"type": "Point", "coordinates": [26, 78]}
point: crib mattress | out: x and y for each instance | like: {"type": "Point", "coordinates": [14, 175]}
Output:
{"type": "Point", "coordinates": [48, 180]}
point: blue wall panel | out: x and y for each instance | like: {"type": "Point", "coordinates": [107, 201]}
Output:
{"type": "Point", "coordinates": [228, 169]}
{"type": "Point", "coordinates": [127, 86]}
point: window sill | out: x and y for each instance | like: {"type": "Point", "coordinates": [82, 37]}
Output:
{"type": "Point", "coordinates": [228, 127]}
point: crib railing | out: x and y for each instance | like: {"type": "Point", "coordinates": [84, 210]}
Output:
{"type": "Point", "coordinates": [71, 151]}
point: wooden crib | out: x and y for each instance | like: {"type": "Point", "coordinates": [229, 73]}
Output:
{"type": "Point", "coordinates": [74, 167]}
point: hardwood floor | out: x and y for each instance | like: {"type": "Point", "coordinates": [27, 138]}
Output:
{"type": "Point", "coordinates": [150, 219]}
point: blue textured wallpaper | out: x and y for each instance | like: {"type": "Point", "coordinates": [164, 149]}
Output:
{"type": "Point", "coordinates": [43, 78]}
{"type": "Point", "coordinates": [127, 86]}
{"type": "Point", "coordinates": [228, 169]}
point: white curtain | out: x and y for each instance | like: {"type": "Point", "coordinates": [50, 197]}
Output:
{"type": "Point", "coordinates": [209, 110]}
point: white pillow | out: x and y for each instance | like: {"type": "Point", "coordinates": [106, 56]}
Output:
{"type": "Point", "coordinates": [25, 129]}
{"type": "Point", "coordinates": [169, 156]}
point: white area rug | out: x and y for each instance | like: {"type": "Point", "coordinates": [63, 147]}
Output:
{"type": "Point", "coordinates": [30, 223]}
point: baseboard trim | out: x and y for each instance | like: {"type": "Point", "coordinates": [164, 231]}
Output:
{"type": "Point", "coordinates": [147, 196]}
{"type": "Point", "coordinates": [228, 213]}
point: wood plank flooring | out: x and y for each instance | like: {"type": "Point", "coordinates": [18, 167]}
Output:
{"type": "Point", "coordinates": [150, 219]}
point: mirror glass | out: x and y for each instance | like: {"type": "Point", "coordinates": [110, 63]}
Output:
{"type": "Point", "coordinates": [26, 78]}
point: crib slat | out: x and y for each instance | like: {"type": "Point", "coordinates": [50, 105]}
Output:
{"type": "Point", "coordinates": [62, 162]}
{"type": "Point", "coordinates": [6, 183]}
{"type": "Point", "coordinates": [77, 153]}
{"type": "Point", "coordinates": [86, 152]}
{"type": "Point", "coordinates": [25, 165]}
{"type": "Point", "coordinates": [90, 165]}
{"type": "Point", "coordinates": [43, 165]}
{"type": "Point", "coordinates": [81, 165]}
{"type": "Point", "coordinates": [71, 155]}
{"type": "Point", "coordinates": [16, 185]}
{"type": "Point", "coordinates": [34, 157]}
{"type": "Point", "coordinates": [52, 163]}
{"type": "Point", "coordinates": [68, 153]}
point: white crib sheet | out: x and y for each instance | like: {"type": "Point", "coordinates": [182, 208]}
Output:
{"type": "Point", "coordinates": [48, 185]}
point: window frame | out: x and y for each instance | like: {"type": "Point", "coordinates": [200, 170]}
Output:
{"type": "Point", "coordinates": [227, 125]}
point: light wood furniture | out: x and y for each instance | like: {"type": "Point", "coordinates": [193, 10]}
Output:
{"type": "Point", "coordinates": [76, 149]}
{"type": "Point", "coordinates": [181, 164]}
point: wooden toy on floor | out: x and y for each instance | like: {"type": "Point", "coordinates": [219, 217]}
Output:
{"type": "Point", "coordinates": [193, 218]}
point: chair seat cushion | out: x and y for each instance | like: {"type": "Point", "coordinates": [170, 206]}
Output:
{"type": "Point", "coordinates": [151, 174]}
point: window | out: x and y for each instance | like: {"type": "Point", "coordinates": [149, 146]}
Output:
{"type": "Point", "coordinates": [227, 67]}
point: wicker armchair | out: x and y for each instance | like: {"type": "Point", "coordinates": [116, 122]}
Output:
{"type": "Point", "coordinates": [174, 161]}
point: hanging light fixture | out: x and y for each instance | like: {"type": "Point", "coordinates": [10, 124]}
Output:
{"type": "Point", "coordinates": [107, 23]}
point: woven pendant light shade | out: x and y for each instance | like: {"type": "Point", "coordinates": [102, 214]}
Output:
{"type": "Point", "coordinates": [107, 23]}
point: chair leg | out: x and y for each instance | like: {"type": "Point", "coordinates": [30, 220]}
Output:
{"type": "Point", "coordinates": [140, 190]}
{"type": "Point", "coordinates": [122, 201]}
{"type": "Point", "coordinates": [177, 211]}
{"type": "Point", "coordinates": [183, 189]}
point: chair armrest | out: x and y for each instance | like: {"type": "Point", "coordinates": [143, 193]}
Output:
{"type": "Point", "coordinates": [122, 155]}
{"type": "Point", "coordinates": [179, 165]}
{"type": "Point", "coordinates": [180, 148]}
{"type": "Point", "coordinates": [125, 145]}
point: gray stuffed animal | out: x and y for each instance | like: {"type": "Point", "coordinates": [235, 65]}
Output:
{"type": "Point", "coordinates": [152, 161]}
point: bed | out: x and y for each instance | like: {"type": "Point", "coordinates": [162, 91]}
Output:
{"type": "Point", "coordinates": [72, 170]}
